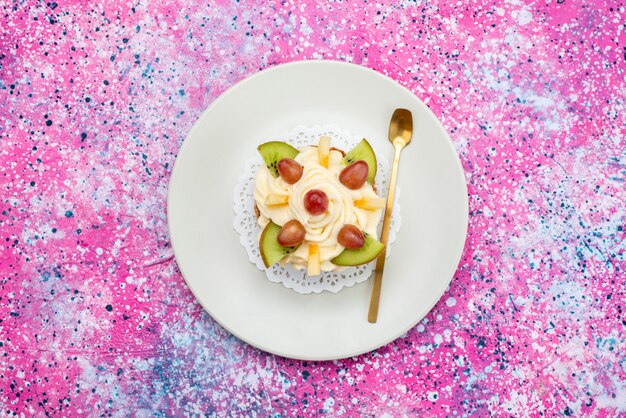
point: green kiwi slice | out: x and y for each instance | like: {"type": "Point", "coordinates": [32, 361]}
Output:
{"type": "Point", "coordinates": [363, 151]}
{"type": "Point", "coordinates": [271, 251]}
{"type": "Point", "coordinates": [369, 251]}
{"type": "Point", "coordinates": [274, 151]}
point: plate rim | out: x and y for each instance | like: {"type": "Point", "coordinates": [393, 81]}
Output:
{"type": "Point", "coordinates": [460, 173]}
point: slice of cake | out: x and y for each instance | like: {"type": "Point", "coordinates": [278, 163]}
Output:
{"type": "Point", "coordinates": [317, 206]}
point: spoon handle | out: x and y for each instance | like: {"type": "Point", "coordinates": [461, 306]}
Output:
{"type": "Point", "coordinates": [372, 314]}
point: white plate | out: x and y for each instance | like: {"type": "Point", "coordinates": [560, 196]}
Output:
{"type": "Point", "coordinates": [216, 267]}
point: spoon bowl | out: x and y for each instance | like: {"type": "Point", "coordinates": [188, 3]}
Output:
{"type": "Point", "coordinates": [401, 127]}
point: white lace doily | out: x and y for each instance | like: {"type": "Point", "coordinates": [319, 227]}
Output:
{"type": "Point", "coordinates": [245, 222]}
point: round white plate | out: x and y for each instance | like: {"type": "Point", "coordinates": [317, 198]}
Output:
{"type": "Point", "coordinates": [215, 265]}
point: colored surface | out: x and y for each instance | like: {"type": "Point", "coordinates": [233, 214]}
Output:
{"type": "Point", "coordinates": [95, 101]}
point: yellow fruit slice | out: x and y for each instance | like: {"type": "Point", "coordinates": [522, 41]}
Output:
{"type": "Point", "coordinates": [323, 150]}
{"type": "Point", "coordinates": [370, 203]}
{"type": "Point", "coordinates": [276, 199]}
{"type": "Point", "coordinates": [314, 267]}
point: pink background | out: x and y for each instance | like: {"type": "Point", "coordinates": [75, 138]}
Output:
{"type": "Point", "coordinates": [95, 101]}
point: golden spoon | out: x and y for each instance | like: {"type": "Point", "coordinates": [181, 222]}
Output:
{"type": "Point", "coordinates": [400, 132]}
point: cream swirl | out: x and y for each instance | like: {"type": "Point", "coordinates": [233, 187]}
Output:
{"type": "Point", "coordinates": [320, 229]}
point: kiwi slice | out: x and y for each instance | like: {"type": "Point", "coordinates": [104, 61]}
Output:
{"type": "Point", "coordinates": [274, 151]}
{"type": "Point", "coordinates": [369, 251]}
{"type": "Point", "coordinates": [271, 251]}
{"type": "Point", "coordinates": [363, 151]}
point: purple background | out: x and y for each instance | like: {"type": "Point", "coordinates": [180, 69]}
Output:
{"type": "Point", "coordinates": [95, 102]}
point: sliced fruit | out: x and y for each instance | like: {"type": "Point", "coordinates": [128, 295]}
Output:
{"type": "Point", "coordinates": [354, 175]}
{"type": "Point", "coordinates": [292, 233]}
{"type": "Point", "coordinates": [370, 203]}
{"type": "Point", "coordinates": [350, 236]}
{"type": "Point", "coordinates": [363, 151]}
{"type": "Point", "coordinates": [271, 251]}
{"type": "Point", "coordinates": [276, 199]}
{"type": "Point", "coordinates": [323, 150]}
{"type": "Point", "coordinates": [290, 170]}
{"type": "Point", "coordinates": [369, 251]}
{"type": "Point", "coordinates": [274, 151]}
{"type": "Point", "coordinates": [314, 267]}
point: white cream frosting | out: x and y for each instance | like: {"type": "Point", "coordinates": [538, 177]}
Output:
{"type": "Point", "coordinates": [320, 229]}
